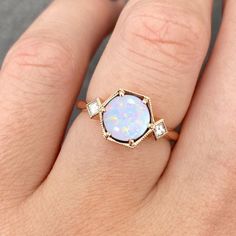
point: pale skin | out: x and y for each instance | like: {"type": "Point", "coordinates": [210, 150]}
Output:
{"type": "Point", "coordinates": [88, 186]}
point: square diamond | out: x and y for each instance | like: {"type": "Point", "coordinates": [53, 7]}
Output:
{"type": "Point", "coordinates": [94, 107]}
{"type": "Point", "coordinates": [160, 129]}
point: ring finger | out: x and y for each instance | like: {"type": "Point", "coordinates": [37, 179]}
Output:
{"type": "Point", "coordinates": [157, 49]}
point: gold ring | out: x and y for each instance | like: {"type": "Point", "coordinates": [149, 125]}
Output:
{"type": "Point", "coordinates": [127, 118]}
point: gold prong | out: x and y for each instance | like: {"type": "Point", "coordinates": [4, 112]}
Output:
{"type": "Point", "coordinates": [145, 100]}
{"type": "Point", "coordinates": [107, 135]}
{"type": "Point", "coordinates": [102, 109]}
{"type": "Point", "coordinates": [121, 92]}
{"type": "Point", "coordinates": [151, 126]}
{"type": "Point", "coordinates": [131, 143]}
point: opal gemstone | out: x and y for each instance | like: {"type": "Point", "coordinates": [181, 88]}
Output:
{"type": "Point", "coordinates": [126, 118]}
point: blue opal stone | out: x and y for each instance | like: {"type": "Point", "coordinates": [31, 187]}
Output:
{"type": "Point", "coordinates": [126, 118]}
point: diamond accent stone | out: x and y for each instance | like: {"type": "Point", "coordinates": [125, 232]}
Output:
{"type": "Point", "coordinates": [160, 129]}
{"type": "Point", "coordinates": [94, 107]}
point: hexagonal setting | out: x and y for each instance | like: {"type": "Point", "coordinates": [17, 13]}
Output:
{"type": "Point", "coordinates": [126, 118]}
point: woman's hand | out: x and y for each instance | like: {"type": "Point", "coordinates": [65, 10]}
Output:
{"type": "Point", "coordinates": [88, 186]}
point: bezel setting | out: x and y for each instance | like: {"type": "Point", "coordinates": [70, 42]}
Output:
{"type": "Point", "coordinates": [100, 108]}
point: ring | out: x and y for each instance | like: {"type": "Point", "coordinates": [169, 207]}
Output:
{"type": "Point", "coordinates": [127, 118]}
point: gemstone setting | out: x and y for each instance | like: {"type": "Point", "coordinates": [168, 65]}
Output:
{"type": "Point", "coordinates": [94, 107]}
{"type": "Point", "coordinates": [126, 118]}
{"type": "Point", "coordinates": [160, 129]}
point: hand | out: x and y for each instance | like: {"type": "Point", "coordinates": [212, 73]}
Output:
{"type": "Point", "coordinates": [88, 186]}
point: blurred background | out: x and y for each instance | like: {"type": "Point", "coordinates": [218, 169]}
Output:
{"type": "Point", "coordinates": [17, 15]}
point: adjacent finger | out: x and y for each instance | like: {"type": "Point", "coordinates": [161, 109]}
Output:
{"type": "Point", "coordinates": [203, 165]}
{"type": "Point", "coordinates": [157, 49]}
{"type": "Point", "coordinates": [40, 79]}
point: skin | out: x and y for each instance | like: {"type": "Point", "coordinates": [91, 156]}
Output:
{"type": "Point", "coordinates": [90, 187]}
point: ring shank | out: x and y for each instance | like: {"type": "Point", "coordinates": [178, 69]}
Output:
{"type": "Point", "coordinates": [172, 135]}
{"type": "Point", "coordinates": [81, 105]}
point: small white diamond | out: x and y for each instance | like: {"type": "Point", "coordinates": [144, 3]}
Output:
{"type": "Point", "coordinates": [160, 129]}
{"type": "Point", "coordinates": [94, 107]}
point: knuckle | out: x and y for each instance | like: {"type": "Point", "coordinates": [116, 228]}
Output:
{"type": "Point", "coordinates": [175, 33]}
{"type": "Point", "coordinates": [41, 60]}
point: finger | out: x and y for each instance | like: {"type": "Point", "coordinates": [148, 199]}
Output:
{"type": "Point", "coordinates": [151, 52]}
{"type": "Point", "coordinates": [39, 81]}
{"type": "Point", "coordinates": [203, 165]}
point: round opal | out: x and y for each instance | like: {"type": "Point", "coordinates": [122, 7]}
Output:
{"type": "Point", "coordinates": [126, 118]}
